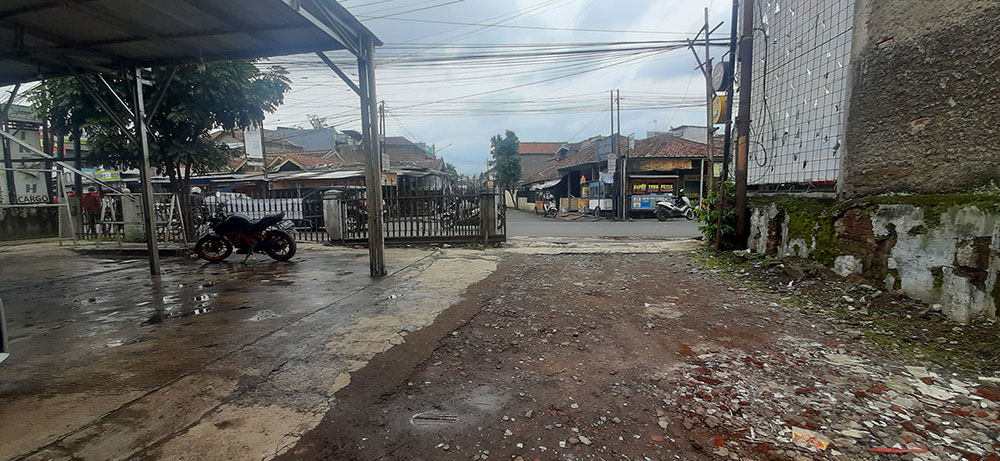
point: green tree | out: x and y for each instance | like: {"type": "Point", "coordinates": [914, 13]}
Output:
{"type": "Point", "coordinates": [451, 171]}
{"type": "Point", "coordinates": [507, 163]}
{"type": "Point", "coordinates": [228, 95]}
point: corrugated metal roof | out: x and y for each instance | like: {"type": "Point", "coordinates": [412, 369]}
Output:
{"type": "Point", "coordinates": [44, 38]}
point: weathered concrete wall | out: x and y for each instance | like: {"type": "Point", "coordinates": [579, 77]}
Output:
{"type": "Point", "coordinates": [925, 88]}
{"type": "Point", "coordinates": [941, 250]}
{"type": "Point", "coordinates": [28, 223]}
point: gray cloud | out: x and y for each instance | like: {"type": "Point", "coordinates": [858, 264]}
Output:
{"type": "Point", "coordinates": [317, 91]}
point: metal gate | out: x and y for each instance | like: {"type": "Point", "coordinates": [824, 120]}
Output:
{"type": "Point", "coordinates": [453, 216]}
{"type": "Point", "coordinates": [302, 207]}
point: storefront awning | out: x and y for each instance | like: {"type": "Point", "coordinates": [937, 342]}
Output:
{"type": "Point", "coordinates": [546, 184]}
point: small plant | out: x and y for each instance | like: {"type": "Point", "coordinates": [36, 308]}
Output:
{"type": "Point", "coordinates": [708, 215]}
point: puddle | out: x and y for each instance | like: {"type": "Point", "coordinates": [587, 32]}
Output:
{"type": "Point", "coordinates": [160, 317]}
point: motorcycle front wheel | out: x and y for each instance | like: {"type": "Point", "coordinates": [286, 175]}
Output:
{"type": "Point", "coordinates": [213, 248]}
{"type": "Point", "coordinates": [279, 245]}
{"type": "Point", "coordinates": [689, 215]}
{"type": "Point", "coordinates": [663, 214]}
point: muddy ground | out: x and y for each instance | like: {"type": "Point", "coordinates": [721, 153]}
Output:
{"type": "Point", "coordinates": [651, 356]}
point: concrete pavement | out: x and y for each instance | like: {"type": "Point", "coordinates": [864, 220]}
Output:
{"type": "Point", "coordinates": [209, 361]}
{"type": "Point", "coordinates": [214, 360]}
{"type": "Point", "coordinates": [527, 224]}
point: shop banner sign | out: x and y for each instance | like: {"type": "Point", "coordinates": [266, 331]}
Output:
{"type": "Point", "coordinates": [648, 202]}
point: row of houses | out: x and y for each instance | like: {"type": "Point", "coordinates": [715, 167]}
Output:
{"type": "Point", "coordinates": [655, 168]}
{"type": "Point", "coordinates": [318, 158]}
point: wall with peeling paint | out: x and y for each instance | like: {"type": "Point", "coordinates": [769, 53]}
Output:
{"type": "Point", "coordinates": [925, 88]}
{"type": "Point", "coordinates": [940, 255]}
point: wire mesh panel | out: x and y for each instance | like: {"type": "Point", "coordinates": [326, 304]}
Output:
{"type": "Point", "coordinates": [801, 68]}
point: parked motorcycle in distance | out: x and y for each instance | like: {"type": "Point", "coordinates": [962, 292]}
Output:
{"type": "Point", "coordinates": [674, 209]}
{"type": "Point", "coordinates": [550, 209]}
{"type": "Point", "coordinates": [269, 235]}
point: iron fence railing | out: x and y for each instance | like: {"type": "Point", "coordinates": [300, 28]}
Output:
{"type": "Point", "coordinates": [424, 216]}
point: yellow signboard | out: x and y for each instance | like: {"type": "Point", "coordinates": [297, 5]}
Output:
{"type": "Point", "coordinates": [719, 112]}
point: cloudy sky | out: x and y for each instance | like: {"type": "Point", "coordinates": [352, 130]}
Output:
{"type": "Point", "coordinates": [551, 99]}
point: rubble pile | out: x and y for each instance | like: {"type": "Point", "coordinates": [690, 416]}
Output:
{"type": "Point", "coordinates": [805, 400]}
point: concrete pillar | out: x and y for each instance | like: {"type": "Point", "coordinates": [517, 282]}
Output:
{"type": "Point", "coordinates": [134, 225]}
{"type": "Point", "coordinates": [333, 214]}
{"type": "Point", "coordinates": [488, 215]}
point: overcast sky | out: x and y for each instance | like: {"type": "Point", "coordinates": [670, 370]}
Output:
{"type": "Point", "coordinates": [410, 90]}
{"type": "Point", "coordinates": [319, 92]}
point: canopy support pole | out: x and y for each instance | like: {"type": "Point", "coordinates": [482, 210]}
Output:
{"type": "Point", "coordinates": [373, 161]}
{"type": "Point", "coordinates": [149, 206]}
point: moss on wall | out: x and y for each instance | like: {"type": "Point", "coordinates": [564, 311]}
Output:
{"type": "Point", "coordinates": [811, 220]}
{"type": "Point", "coordinates": [815, 220]}
{"type": "Point", "coordinates": [934, 206]}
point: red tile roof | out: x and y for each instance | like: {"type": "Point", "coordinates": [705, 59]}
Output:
{"type": "Point", "coordinates": [670, 146]}
{"type": "Point", "coordinates": [586, 153]}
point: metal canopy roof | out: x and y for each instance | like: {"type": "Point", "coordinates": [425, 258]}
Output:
{"type": "Point", "coordinates": [44, 38]}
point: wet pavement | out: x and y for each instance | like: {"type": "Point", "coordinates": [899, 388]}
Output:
{"type": "Point", "coordinates": [209, 360]}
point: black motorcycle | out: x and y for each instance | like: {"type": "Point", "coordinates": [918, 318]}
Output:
{"type": "Point", "coordinates": [268, 235]}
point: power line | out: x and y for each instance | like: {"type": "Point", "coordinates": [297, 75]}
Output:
{"type": "Point", "coordinates": [507, 26]}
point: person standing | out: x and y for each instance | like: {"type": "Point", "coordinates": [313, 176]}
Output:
{"type": "Point", "coordinates": [91, 204]}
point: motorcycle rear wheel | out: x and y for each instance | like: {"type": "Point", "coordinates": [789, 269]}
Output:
{"type": "Point", "coordinates": [213, 248]}
{"type": "Point", "coordinates": [279, 245]}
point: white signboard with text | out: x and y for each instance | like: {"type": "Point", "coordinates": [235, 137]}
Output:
{"type": "Point", "coordinates": [253, 142]}
{"type": "Point", "coordinates": [29, 186]}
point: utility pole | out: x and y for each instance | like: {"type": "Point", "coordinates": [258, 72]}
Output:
{"type": "Point", "coordinates": [618, 134]}
{"type": "Point", "coordinates": [743, 126]}
{"type": "Point", "coordinates": [727, 143]}
{"type": "Point", "coordinates": [709, 122]}
{"type": "Point", "coordinates": [612, 120]}
{"type": "Point", "coordinates": [706, 70]}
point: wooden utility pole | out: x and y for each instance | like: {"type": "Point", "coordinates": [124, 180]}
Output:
{"type": "Point", "coordinates": [743, 127]}
{"type": "Point", "coordinates": [709, 122]}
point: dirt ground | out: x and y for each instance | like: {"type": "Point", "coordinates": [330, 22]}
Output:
{"type": "Point", "coordinates": [649, 356]}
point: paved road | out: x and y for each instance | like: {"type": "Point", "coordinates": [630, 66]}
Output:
{"type": "Point", "coordinates": [525, 224]}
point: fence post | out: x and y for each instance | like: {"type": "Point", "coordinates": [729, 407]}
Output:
{"type": "Point", "coordinates": [487, 215]}
{"type": "Point", "coordinates": [333, 214]}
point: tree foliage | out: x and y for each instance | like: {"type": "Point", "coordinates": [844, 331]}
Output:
{"type": "Point", "coordinates": [317, 122]}
{"type": "Point", "coordinates": [228, 95]}
{"type": "Point", "coordinates": [716, 202]}
{"type": "Point", "coordinates": [451, 171]}
{"type": "Point", "coordinates": [507, 162]}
